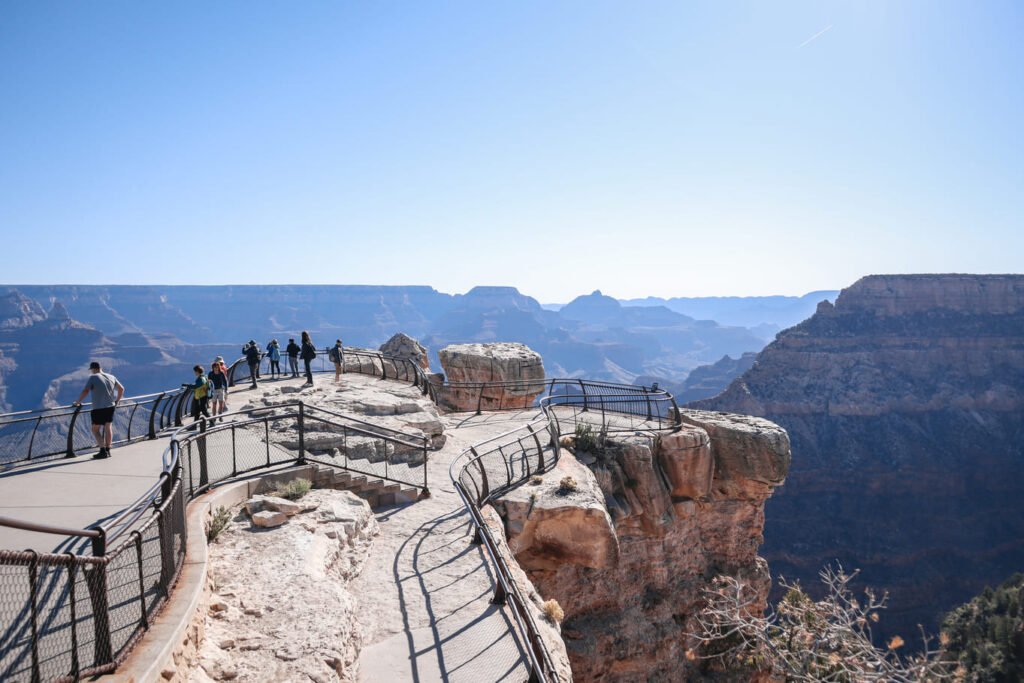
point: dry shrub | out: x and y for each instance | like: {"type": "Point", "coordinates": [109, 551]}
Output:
{"type": "Point", "coordinates": [567, 485]}
{"type": "Point", "coordinates": [553, 611]}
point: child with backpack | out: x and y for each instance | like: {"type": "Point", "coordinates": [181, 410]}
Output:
{"type": "Point", "coordinates": [200, 394]}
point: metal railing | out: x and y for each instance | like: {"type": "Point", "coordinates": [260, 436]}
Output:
{"type": "Point", "coordinates": [491, 468]}
{"type": "Point", "coordinates": [32, 436]}
{"type": "Point", "coordinates": [73, 616]}
{"type": "Point", "coordinates": [68, 616]}
{"type": "Point", "coordinates": [353, 360]}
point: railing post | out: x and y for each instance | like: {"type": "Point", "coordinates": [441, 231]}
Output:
{"type": "Point", "coordinates": [586, 403]}
{"type": "Point", "coordinates": [426, 491]}
{"type": "Point", "coordinates": [131, 418]}
{"type": "Point", "coordinates": [152, 416]}
{"type": "Point", "coordinates": [383, 368]}
{"type": "Point", "coordinates": [75, 665]}
{"type": "Point", "coordinates": [234, 458]}
{"type": "Point", "coordinates": [96, 580]}
{"type": "Point", "coordinates": [302, 434]}
{"type": "Point", "coordinates": [204, 472]}
{"type": "Point", "coordinates": [142, 581]}
{"type": "Point", "coordinates": [33, 575]}
{"type": "Point", "coordinates": [500, 595]}
{"type": "Point", "coordinates": [480, 399]}
{"type": "Point", "coordinates": [342, 359]}
{"type": "Point", "coordinates": [32, 440]}
{"type": "Point", "coordinates": [163, 525]}
{"type": "Point", "coordinates": [71, 431]}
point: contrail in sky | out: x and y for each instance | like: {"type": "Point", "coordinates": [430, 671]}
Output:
{"type": "Point", "coordinates": [816, 36]}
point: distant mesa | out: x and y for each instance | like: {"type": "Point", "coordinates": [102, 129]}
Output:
{"type": "Point", "coordinates": [905, 404]}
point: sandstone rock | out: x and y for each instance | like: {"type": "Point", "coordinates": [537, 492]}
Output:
{"type": "Point", "coordinates": [685, 457]}
{"type": "Point", "coordinates": [674, 523]}
{"type": "Point", "coordinates": [226, 643]}
{"type": "Point", "coordinates": [168, 673]}
{"type": "Point", "coordinates": [269, 519]}
{"type": "Point", "coordinates": [403, 346]}
{"type": "Point", "coordinates": [498, 362]}
{"type": "Point", "coordinates": [259, 503]}
{"type": "Point", "coordinates": [218, 605]}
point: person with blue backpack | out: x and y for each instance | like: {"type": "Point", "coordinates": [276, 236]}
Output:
{"type": "Point", "coordinates": [274, 353]}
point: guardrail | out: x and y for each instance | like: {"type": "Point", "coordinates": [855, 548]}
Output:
{"type": "Point", "coordinates": [69, 616]}
{"type": "Point", "coordinates": [32, 436]}
{"type": "Point", "coordinates": [490, 468]}
{"type": "Point", "coordinates": [74, 616]}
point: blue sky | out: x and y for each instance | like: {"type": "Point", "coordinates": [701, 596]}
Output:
{"type": "Point", "coordinates": [672, 149]}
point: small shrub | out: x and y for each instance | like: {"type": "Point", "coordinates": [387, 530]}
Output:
{"type": "Point", "coordinates": [536, 480]}
{"type": "Point", "coordinates": [567, 442]}
{"type": "Point", "coordinates": [553, 611]}
{"type": "Point", "coordinates": [567, 485]}
{"type": "Point", "coordinates": [586, 439]}
{"type": "Point", "coordinates": [218, 522]}
{"type": "Point", "coordinates": [295, 489]}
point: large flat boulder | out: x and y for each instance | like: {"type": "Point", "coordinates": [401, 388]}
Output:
{"type": "Point", "coordinates": [481, 364]}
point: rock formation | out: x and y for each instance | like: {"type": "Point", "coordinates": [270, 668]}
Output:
{"type": "Point", "coordinates": [283, 608]}
{"type": "Point", "coordinates": [629, 544]}
{"type": "Point", "coordinates": [472, 364]}
{"type": "Point", "coordinates": [403, 346]}
{"type": "Point", "coordinates": [905, 405]}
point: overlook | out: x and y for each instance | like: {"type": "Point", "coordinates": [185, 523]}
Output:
{"type": "Point", "coordinates": [448, 578]}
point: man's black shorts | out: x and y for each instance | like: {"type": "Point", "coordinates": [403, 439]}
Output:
{"type": "Point", "coordinates": [102, 416]}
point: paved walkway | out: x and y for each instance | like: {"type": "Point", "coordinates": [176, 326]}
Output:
{"type": "Point", "coordinates": [80, 492]}
{"type": "Point", "coordinates": [426, 589]}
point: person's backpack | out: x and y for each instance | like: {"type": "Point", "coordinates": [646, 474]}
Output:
{"type": "Point", "coordinates": [203, 390]}
{"type": "Point", "coordinates": [334, 354]}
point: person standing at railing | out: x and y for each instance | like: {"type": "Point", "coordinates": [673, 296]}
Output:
{"type": "Point", "coordinates": [308, 353]}
{"type": "Point", "coordinates": [252, 357]}
{"type": "Point", "coordinates": [274, 353]}
{"type": "Point", "coordinates": [337, 356]}
{"type": "Point", "coordinates": [293, 350]}
{"type": "Point", "coordinates": [107, 392]}
{"type": "Point", "coordinates": [219, 379]}
{"type": "Point", "coordinates": [200, 394]}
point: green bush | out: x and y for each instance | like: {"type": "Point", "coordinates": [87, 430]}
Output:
{"type": "Point", "coordinates": [586, 438]}
{"type": "Point", "coordinates": [218, 522]}
{"type": "Point", "coordinates": [295, 489]}
{"type": "Point", "coordinates": [985, 637]}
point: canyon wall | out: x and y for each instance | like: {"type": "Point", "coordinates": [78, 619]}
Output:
{"type": "Point", "coordinates": [629, 545]}
{"type": "Point", "coordinates": [905, 405]}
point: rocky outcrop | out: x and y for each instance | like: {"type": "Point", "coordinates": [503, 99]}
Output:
{"type": "Point", "coordinates": [642, 529]}
{"type": "Point", "coordinates": [472, 365]}
{"type": "Point", "coordinates": [282, 608]}
{"type": "Point", "coordinates": [710, 380]}
{"type": "Point", "coordinates": [18, 311]}
{"type": "Point", "coordinates": [403, 346]}
{"type": "Point", "coordinates": [905, 405]}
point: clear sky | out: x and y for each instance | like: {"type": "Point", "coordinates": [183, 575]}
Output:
{"type": "Point", "coordinates": [670, 149]}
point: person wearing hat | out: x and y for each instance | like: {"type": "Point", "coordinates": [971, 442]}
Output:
{"type": "Point", "coordinates": [293, 357]}
{"type": "Point", "coordinates": [107, 392]}
{"type": "Point", "coordinates": [337, 356]}
{"type": "Point", "coordinates": [219, 380]}
{"type": "Point", "coordinates": [252, 357]}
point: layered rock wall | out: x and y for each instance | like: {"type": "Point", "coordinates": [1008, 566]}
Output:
{"type": "Point", "coordinates": [905, 404]}
{"type": "Point", "coordinates": [646, 525]}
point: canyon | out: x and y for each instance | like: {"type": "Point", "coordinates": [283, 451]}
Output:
{"type": "Point", "coordinates": [904, 402]}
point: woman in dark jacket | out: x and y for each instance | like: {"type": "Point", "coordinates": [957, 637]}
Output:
{"type": "Point", "coordinates": [307, 354]}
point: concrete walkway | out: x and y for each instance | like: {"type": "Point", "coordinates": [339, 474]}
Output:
{"type": "Point", "coordinates": [80, 492]}
{"type": "Point", "coordinates": [425, 591]}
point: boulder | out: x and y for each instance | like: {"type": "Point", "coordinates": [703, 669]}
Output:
{"type": "Point", "coordinates": [269, 518]}
{"type": "Point", "coordinates": [272, 503]}
{"type": "Point", "coordinates": [512, 363]}
{"type": "Point", "coordinates": [403, 346]}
